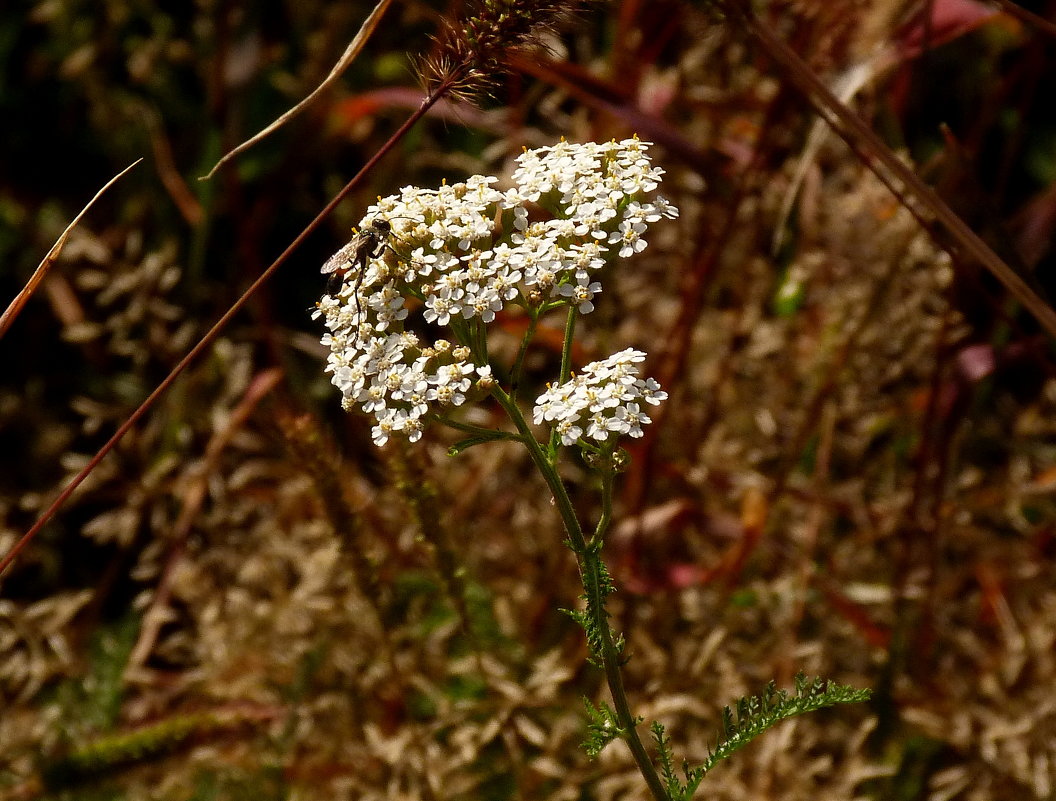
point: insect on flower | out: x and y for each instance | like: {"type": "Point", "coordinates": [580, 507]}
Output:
{"type": "Point", "coordinates": [368, 244]}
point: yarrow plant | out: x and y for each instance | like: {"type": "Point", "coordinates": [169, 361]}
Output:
{"type": "Point", "coordinates": [461, 254]}
{"type": "Point", "coordinates": [450, 260]}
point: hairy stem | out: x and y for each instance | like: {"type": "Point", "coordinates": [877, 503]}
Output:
{"type": "Point", "coordinates": [592, 575]}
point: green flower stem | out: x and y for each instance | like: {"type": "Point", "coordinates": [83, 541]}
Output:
{"type": "Point", "coordinates": [518, 364]}
{"type": "Point", "coordinates": [566, 350]}
{"type": "Point", "coordinates": [566, 367]}
{"type": "Point", "coordinates": [607, 476]}
{"type": "Point", "coordinates": [589, 560]}
{"type": "Point", "coordinates": [478, 342]}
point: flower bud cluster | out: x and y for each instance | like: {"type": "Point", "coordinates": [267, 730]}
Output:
{"type": "Point", "coordinates": [603, 400]}
{"type": "Point", "coordinates": [459, 254]}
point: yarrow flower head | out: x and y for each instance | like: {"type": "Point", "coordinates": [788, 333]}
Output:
{"type": "Point", "coordinates": [601, 403]}
{"type": "Point", "coordinates": [458, 255]}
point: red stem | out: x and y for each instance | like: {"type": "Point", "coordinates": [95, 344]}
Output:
{"type": "Point", "coordinates": [205, 341]}
{"type": "Point", "coordinates": [886, 165]}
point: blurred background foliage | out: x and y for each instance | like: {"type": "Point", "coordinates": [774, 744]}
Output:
{"type": "Point", "coordinates": [853, 477]}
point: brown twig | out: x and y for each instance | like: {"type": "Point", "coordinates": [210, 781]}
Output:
{"type": "Point", "coordinates": [183, 198]}
{"type": "Point", "coordinates": [193, 498]}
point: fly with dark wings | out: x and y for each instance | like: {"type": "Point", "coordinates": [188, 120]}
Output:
{"type": "Point", "coordinates": [367, 244]}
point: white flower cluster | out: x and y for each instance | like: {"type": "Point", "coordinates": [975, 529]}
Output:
{"type": "Point", "coordinates": [600, 401]}
{"type": "Point", "coordinates": [460, 253]}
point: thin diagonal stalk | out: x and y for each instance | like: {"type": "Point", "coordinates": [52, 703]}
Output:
{"type": "Point", "coordinates": [606, 507]}
{"type": "Point", "coordinates": [566, 366]}
{"type": "Point", "coordinates": [518, 363]}
{"type": "Point", "coordinates": [886, 164]}
{"type": "Point", "coordinates": [220, 324]}
{"type": "Point", "coordinates": [590, 566]}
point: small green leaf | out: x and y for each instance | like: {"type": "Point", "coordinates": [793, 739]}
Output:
{"type": "Point", "coordinates": [790, 294]}
{"type": "Point", "coordinates": [602, 728]}
{"type": "Point", "coordinates": [480, 439]}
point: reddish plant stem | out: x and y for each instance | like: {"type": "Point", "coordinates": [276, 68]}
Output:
{"type": "Point", "coordinates": [886, 165]}
{"type": "Point", "coordinates": [207, 340]}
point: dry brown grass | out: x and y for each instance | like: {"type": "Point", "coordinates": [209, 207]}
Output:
{"type": "Point", "coordinates": [853, 476]}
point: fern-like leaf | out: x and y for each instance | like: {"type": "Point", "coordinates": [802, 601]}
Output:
{"type": "Point", "coordinates": [749, 718]}
{"type": "Point", "coordinates": [606, 586]}
{"type": "Point", "coordinates": [595, 637]}
{"type": "Point", "coordinates": [675, 788]}
{"type": "Point", "coordinates": [602, 727]}
{"type": "Point", "coordinates": [755, 714]}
